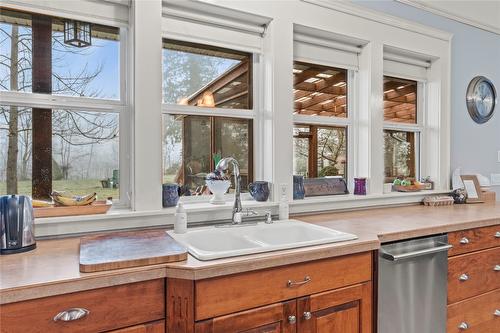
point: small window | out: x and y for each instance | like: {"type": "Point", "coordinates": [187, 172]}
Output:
{"type": "Point", "coordinates": [84, 152]}
{"type": "Point", "coordinates": [319, 90]}
{"type": "Point", "coordinates": [400, 100]}
{"type": "Point", "coordinates": [92, 71]}
{"type": "Point", "coordinates": [401, 133]}
{"type": "Point", "coordinates": [193, 145]}
{"type": "Point", "coordinates": [320, 151]}
{"type": "Point", "coordinates": [200, 75]}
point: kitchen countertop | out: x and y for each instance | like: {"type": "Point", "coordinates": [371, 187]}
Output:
{"type": "Point", "coordinates": [53, 268]}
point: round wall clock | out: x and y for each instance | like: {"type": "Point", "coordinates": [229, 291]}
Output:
{"type": "Point", "coordinates": [481, 99]}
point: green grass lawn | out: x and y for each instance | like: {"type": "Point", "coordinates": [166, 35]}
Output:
{"type": "Point", "coordinates": [77, 187]}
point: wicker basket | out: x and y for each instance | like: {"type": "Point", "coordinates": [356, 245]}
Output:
{"type": "Point", "coordinates": [438, 200]}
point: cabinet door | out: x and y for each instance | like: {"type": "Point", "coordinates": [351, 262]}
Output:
{"type": "Point", "coordinates": [346, 310]}
{"type": "Point", "coordinates": [275, 318]}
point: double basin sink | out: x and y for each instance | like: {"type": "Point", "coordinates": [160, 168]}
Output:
{"type": "Point", "coordinates": [208, 243]}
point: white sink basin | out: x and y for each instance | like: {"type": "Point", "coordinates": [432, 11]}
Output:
{"type": "Point", "coordinates": [209, 243]}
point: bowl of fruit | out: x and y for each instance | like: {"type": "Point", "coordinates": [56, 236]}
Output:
{"type": "Point", "coordinates": [406, 185]}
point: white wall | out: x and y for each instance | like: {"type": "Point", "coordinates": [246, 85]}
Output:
{"type": "Point", "coordinates": [474, 147]}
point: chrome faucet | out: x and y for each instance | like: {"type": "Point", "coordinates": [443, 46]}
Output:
{"type": "Point", "coordinates": [223, 165]}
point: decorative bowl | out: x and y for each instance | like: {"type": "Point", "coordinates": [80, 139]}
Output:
{"type": "Point", "coordinates": [218, 189]}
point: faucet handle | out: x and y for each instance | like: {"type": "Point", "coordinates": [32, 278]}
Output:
{"type": "Point", "coordinates": [250, 212]}
{"type": "Point", "coordinates": [237, 217]}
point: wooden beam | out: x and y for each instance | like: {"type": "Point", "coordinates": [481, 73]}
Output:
{"type": "Point", "coordinates": [220, 82]}
{"type": "Point", "coordinates": [306, 74]}
{"type": "Point", "coordinates": [42, 118]}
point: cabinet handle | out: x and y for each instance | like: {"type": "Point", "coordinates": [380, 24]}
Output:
{"type": "Point", "coordinates": [71, 314]}
{"type": "Point", "coordinates": [464, 240]}
{"type": "Point", "coordinates": [463, 326]}
{"type": "Point", "coordinates": [463, 277]}
{"type": "Point", "coordinates": [497, 234]}
{"type": "Point", "coordinates": [307, 315]}
{"type": "Point", "coordinates": [497, 268]}
{"type": "Point", "coordinates": [496, 313]}
{"type": "Point", "coordinates": [291, 283]}
{"type": "Point", "coordinates": [292, 319]}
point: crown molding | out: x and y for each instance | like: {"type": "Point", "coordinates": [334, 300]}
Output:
{"type": "Point", "coordinates": [439, 11]}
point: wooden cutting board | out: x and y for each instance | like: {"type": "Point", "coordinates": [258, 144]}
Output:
{"type": "Point", "coordinates": [128, 249]}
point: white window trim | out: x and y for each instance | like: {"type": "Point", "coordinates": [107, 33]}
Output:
{"type": "Point", "coordinates": [254, 114]}
{"type": "Point", "coordinates": [89, 104]}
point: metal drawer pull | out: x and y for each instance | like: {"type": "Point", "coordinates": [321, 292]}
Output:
{"type": "Point", "coordinates": [464, 240]}
{"type": "Point", "coordinates": [308, 315]}
{"type": "Point", "coordinates": [497, 235]}
{"type": "Point", "coordinates": [463, 277]}
{"type": "Point", "coordinates": [291, 283]}
{"type": "Point", "coordinates": [496, 313]}
{"type": "Point", "coordinates": [497, 268]}
{"type": "Point", "coordinates": [463, 326]}
{"type": "Point", "coordinates": [408, 255]}
{"type": "Point", "coordinates": [71, 314]}
{"type": "Point", "coordinates": [292, 319]}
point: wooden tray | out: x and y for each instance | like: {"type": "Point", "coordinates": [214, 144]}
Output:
{"type": "Point", "coordinates": [411, 188]}
{"type": "Point", "coordinates": [97, 207]}
{"type": "Point", "coordinates": [128, 249]}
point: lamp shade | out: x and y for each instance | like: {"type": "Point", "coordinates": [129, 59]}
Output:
{"type": "Point", "coordinates": [77, 33]}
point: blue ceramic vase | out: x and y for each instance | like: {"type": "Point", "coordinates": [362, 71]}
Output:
{"type": "Point", "coordinates": [170, 195]}
{"type": "Point", "coordinates": [259, 190]}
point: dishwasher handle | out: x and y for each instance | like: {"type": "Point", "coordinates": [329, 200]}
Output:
{"type": "Point", "coordinates": [408, 255]}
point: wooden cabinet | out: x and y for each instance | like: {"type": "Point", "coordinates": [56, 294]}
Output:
{"type": "Point", "coordinates": [100, 310]}
{"type": "Point", "coordinates": [346, 310]}
{"type": "Point", "coordinates": [474, 281]}
{"type": "Point", "coordinates": [275, 318]}
{"type": "Point", "coordinates": [328, 295]}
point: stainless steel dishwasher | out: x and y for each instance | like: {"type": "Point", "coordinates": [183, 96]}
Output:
{"type": "Point", "coordinates": [412, 286]}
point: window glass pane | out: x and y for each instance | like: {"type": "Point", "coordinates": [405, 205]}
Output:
{"type": "Point", "coordinates": [399, 155]}
{"type": "Point", "coordinates": [92, 71]}
{"type": "Point", "coordinates": [332, 151]}
{"type": "Point", "coordinates": [85, 154]}
{"type": "Point", "coordinates": [320, 151]}
{"type": "Point", "coordinates": [301, 151]}
{"type": "Point", "coordinates": [192, 145]}
{"type": "Point", "coordinates": [206, 76]}
{"type": "Point", "coordinates": [232, 139]}
{"type": "Point", "coordinates": [400, 100]}
{"type": "Point", "coordinates": [15, 48]}
{"type": "Point", "coordinates": [319, 90]}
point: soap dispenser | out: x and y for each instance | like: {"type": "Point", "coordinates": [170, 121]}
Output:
{"type": "Point", "coordinates": [180, 224]}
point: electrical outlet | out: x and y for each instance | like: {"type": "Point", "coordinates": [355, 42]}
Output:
{"type": "Point", "coordinates": [495, 179]}
{"type": "Point", "coordinates": [283, 187]}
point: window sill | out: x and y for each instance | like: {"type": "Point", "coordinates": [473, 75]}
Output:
{"type": "Point", "coordinates": [351, 201]}
{"type": "Point", "coordinates": [202, 212]}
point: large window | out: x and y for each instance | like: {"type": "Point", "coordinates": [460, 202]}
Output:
{"type": "Point", "coordinates": [199, 83]}
{"type": "Point", "coordinates": [401, 134]}
{"type": "Point", "coordinates": [320, 111]}
{"type": "Point", "coordinates": [68, 143]}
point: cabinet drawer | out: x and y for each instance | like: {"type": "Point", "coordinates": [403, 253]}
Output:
{"type": "Point", "coordinates": [473, 274]}
{"type": "Point", "coordinates": [108, 308]}
{"type": "Point", "coordinates": [479, 314]}
{"type": "Point", "coordinates": [156, 327]}
{"type": "Point", "coordinates": [227, 294]}
{"type": "Point", "coordinates": [474, 239]}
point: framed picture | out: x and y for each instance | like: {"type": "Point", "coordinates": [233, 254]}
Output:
{"type": "Point", "coordinates": [471, 185]}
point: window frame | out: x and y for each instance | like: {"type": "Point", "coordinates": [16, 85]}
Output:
{"type": "Point", "coordinates": [252, 113]}
{"type": "Point", "coordinates": [120, 106]}
{"type": "Point", "coordinates": [348, 122]}
{"type": "Point", "coordinates": [418, 128]}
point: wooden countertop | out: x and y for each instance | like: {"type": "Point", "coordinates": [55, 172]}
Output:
{"type": "Point", "coordinates": [53, 268]}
